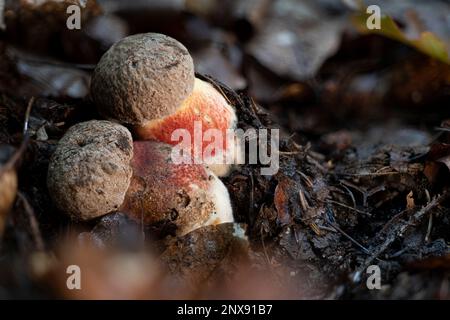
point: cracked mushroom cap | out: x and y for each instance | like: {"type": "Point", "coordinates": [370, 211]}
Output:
{"type": "Point", "coordinates": [142, 77]}
{"type": "Point", "coordinates": [89, 172]}
{"type": "Point", "coordinates": [188, 196]}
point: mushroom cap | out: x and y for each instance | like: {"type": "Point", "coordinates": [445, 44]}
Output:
{"type": "Point", "coordinates": [89, 172]}
{"type": "Point", "coordinates": [163, 193]}
{"type": "Point", "coordinates": [142, 77]}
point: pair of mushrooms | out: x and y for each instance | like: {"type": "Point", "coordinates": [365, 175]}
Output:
{"type": "Point", "coordinates": [147, 83]}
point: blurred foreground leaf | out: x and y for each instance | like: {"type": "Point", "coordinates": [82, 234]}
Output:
{"type": "Point", "coordinates": [2, 18]}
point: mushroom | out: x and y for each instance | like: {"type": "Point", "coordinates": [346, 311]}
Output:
{"type": "Point", "coordinates": [207, 108]}
{"type": "Point", "coordinates": [141, 77]}
{"type": "Point", "coordinates": [147, 81]}
{"type": "Point", "coordinates": [89, 172]}
{"type": "Point", "coordinates": [96, 169]}
{"type": "Point", "coordinates": [187, 195]}
{"type": "Point", "coordinates": [206, 254]}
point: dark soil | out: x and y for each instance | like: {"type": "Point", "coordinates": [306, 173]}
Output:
{"type": "Point", "coordinates": [363, 177]}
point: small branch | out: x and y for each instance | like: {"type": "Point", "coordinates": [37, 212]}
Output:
{"type": "Point", "coordinates": [347, 207]}
{"type": "Point", "coordinates": [34, 225]}
{"type": "Point", "coordinates": [27, 117]}
{"type": "Point", "coordinates": [59, 64]}
{"type": "Point", "coordinates": [18, 154]}
{"type": "Point", "coordinates": [359, 245]}
{"type": "Point", "coordinates": [399, 229]}
{"type": "Point", "coordinates": [329, 219]}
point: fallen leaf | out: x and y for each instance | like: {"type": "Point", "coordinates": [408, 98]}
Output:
{"type": "Point", "coordinates": [2, 17]}
{"type": "Point", "coordinates": [294, 41]}
{"type": "Point", "coordinates": [213, 62]}
{"type": "Point", "coordinates": [286, 201]}
{"type": "Point", "coordinates": [427, 42]}
{"type": "Point", "coordinates": [292, 51]}
{"type": "Point", "coordinates": [410, 201]}
{"type": "Point", "coordinates": [50, 77]}
{"type": "Point", "coordinates": [8, 184]}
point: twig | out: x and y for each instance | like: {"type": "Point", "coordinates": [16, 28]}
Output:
{"type": "Point", "coordinates": [429, 228]}
{"type": "Point", "coordinates": [317, 164]}
{"type": "Point", "coordinates": [371, 192]}
{"type": "Point", "coordinates": [34, 225]}
{"type": "Point", "coordinates": [442, 129]}
{"type": "Point", "coordinates": [59, 64]}
{"type": "Point", "coordinates": [269, 264]}
{"type": "Point", "coordinates": [304, 203]}
{"type": "Point", "coordinates": [365, 193]}
{"type": "Point", "coordinates": [375, 174]}
{"type": "Point", "coordinates": [329, 219]}
{"type": "Point", "coordinates": [359, 245]}
{"type": "Point", "coordinates": [348, 207]}
{"type": "Point", "coordinates": [352, 196]}
{"type": "Point", "coordinates": [398, 230]}
{"type": "Point", "coordinates": [27, 117]}
{"type": "Point", "coordinates": [252, 196]}
{"type": "Point", "coordinates": [11, 163]}
{"type": "Point", "coordinates": [306, 178]}
{"type": "Point", "coordinates": [18, 154]}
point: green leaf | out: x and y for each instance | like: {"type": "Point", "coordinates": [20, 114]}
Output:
{"type": "Point", "coordinates": [428, 42]}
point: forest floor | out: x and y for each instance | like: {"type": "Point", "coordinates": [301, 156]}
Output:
{"type": "Point", "coordinates": [364, 153]}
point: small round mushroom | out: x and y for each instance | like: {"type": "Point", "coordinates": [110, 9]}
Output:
{"type": "Point", "coordinates": [142, 77]}
{"type": "Point", "coordinates": [89, 172]}
{"type": "Point", "coordinates": [147, 80]}
{"type": "Point", "coordinates": [188, 196]}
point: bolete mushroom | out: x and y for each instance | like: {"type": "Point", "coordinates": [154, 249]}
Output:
{"type": "Point", "coordinates": [187, 195]}
{"type": "Point", "coordinates": [147, 81]}
{"type": "Point", "coordinates": [204, 109]}
{"type": "Point", "coordinates": [97, 168]}
{"type": "Point", "coordinates": [142, 77]}
{"type": "Point", "coordinates": [89, 172]}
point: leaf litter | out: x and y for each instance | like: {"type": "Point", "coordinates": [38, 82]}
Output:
{"type": "Point", "coordinates": [363, 176]}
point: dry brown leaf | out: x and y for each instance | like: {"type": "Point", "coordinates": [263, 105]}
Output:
{"type": "Point", "coordinates": [2, 17]}
{"type": "Point", "coordinates": [410, 204]}
{"type": "Point", "coordinates": [8, 191]}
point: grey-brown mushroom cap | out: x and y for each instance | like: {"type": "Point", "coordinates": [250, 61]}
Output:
{"type": "Point", "coordinates": [142, 77]}
{"type": "Point", "coordinates": [89, 172]}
